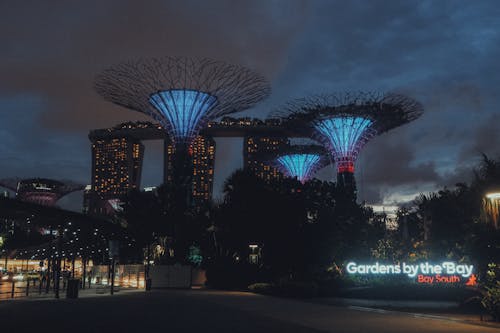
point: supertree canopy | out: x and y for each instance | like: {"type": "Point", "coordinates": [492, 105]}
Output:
{"type": "Point", "coordinates": [301, 161]}
{"type": "Point", "coordinates": [182, 94]}
{"type": "Point", "coordinates": [344, 136]}
{"type": "Point", "coordinates": [344, 123]}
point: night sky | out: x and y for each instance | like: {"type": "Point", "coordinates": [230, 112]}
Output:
{"type": "Point", "coordinates": [443, 53]}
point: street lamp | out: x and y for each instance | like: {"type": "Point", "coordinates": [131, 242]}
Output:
{"type": "Point", "coordinates": [491, 206]}
{"type": "Point", "coordinates": [254, 254]}
{"type": "Point", "coordinates": [493, 195]}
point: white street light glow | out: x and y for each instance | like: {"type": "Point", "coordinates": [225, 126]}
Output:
{"type": "Point", "coordinates": [493, 195]}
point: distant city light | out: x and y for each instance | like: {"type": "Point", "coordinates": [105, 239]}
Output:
{"type": "Point", "coordinates": [298, 165]}
{"type": "Point", "coordinates": [18, 277]}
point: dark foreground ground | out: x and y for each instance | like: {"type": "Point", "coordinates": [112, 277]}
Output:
{"type": "Point", "coordinates": [207, 311]}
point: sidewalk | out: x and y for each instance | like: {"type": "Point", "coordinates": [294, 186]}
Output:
{"type": "Point", "coordinates": [219, 311]}
{"type": "Point", "coordinates": [329, 317]}
{"type": "Point", "coordinates": [94, 291]}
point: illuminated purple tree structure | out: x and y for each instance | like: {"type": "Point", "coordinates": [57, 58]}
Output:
{"type": "Point", "coordinates": [344, 123]}
{"type": "Point", "coordinates": [301, 161]}
{"type": "Point", "coordinates": [183, 95]}
{"type": "Point", "coordinates": [40, 191]}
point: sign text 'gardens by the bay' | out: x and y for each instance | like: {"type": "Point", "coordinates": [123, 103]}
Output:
{"type": "Point", "coordinates": [424, 272]}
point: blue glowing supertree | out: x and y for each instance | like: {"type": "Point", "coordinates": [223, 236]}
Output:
{"type": "Point", "coordinates": [301, 161]}
{"type": "Point", "coordinates": [344, 123]}
{"type": "Point", "coordinates": [182, 94]}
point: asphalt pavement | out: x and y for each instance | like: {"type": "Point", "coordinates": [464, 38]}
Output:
{"type": "Point", "coordinates": [208, 311]}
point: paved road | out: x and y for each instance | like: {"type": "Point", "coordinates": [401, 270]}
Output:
{"type": "Point", "coordinates": [206, 311]}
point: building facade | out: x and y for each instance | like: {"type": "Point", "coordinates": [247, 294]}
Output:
{"type": "Point", "coordinates": [116, 169]}
{"type": "Point", "coordinates": [117, 156]}
{"type": "Point", "coordinates": [257, 149]}
{"type": "Point", "coordinates": [117, 159]}
{"type": "Point", "coordinates": [202, 152]}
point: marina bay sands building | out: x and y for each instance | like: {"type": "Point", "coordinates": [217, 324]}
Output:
{"type": "Point", "coordinates": [118, 152]}
{"type": "Point", "coordinates": [261, 138]}
{"type": "Point", "coordinates": [183, 95]}
{"type": "Point", "coordinates": [116, 165]}
{"type": "Point", "coordinates": [203, 153]}
{"type": "Point", "coordinates": [254, 152]}
{"type": "Point", "coordinates": [117, 159]}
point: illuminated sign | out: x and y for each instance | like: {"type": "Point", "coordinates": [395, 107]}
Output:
{"type": "Point", "coordinates": [425, 273]}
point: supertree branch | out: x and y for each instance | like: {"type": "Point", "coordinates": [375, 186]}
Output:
{"type": "Point", "coordinates": [344, 123]}
{"type": "Point", "coordinates": [391, 108]}
{"type": "Point", "coordinates": [183, 94]}
{"type": "Point", "coordinates": [300, 161]}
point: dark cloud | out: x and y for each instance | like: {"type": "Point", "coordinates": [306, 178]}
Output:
{"type": "Point", "coordinates": [64, 46]}
{"type": "Point", "coordinates": [484, 140]}
{"type": "Point", "coordinates": [392, 163]}
{"type": "Point", "coordinates": [445, 54]}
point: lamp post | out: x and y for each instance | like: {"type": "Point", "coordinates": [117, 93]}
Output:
{"type": "Point", "coordinates": [57, 268]}
{"type": "Point", "coordinates": [113, 251]}
{"type": "Point", "coordinates": [6, 259]}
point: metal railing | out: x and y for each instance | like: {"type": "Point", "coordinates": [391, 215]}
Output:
{"type": "Point", "coordinates": [24, 288]}
{"type": "Point", "coordinates": [97, 279]}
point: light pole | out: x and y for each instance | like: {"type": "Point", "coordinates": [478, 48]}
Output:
{"type": "Point", "coordinates": [6, 259]}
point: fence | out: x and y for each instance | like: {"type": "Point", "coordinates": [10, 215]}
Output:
{"type": "Point", "coordinates": [24, 288]}
{"type": "Point", "coordinates": [97, 279]}
{"type": "Point", "coordinates": [126, 276]}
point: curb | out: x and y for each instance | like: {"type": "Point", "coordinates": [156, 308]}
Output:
{"type": "Point", "coordinates": [424, 315]}
{"type": "Point", "coordinates": [37, 298]}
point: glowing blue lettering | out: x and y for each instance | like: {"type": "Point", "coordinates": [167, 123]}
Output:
{"type": "Point", "coordinates": [412, 270]}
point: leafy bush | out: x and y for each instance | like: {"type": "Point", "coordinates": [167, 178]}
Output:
{"type": "Point", "coordinates": [262, 288]}
{"type": "Point", "coordinates": [302, 289]}
{"type": "Point", "coordinates": [491, 298]}
{"type": "Point", "coordinates": [225, 273]}
{"type": "Point", "coordinates": [286, 288]}
{"type": "Point", "coordinates": [491, 301]}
